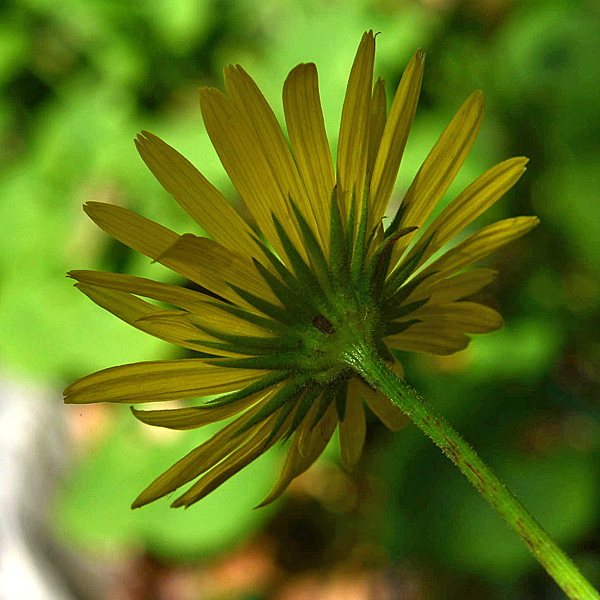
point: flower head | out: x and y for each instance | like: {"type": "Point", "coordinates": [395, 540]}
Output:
{"type": "Point", "coordinates": [293, 303]}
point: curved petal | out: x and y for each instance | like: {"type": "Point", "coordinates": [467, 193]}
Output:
{"type": "Point", "coordinates": [196, 195]}
{"type": "Point", "coordinates": [201, 260]}
{"type": "Point", "coordinates": [306, 128]}
{"type": "Point", "coordinates": [174, 327]}
{"type": "Point", "coordinates": [198, 416]}
{"type": "Point", "coordinates": [249, 170]}
{"type": "Point", "coordinates": [440, 168]}
{"type": "Point", "coordinates": [353, 428]}
{"type": "Point", "coordinates": [394, 138]}
{"type": "Point", "coordinates": [156, 381]}
{"type": "Point", "coordinates": [453, 288]}
{"type": "Point", "coordinates": [470, 317]}
{"type": "Point", "coordinates": [133, 230]}
{"type": "Point", "coordinates": [477, 246]}
{"type": "Point", "coordinates": [216, 268]}
{"type": "Point", "coordinates": [201, 312]}
{"type": "Point", "coordinates": [307, 445]}
{"type": "Point", "coordinates": [353, 144]}
{"type": "Point", "coordinates": [156, 290]}
{"type": "Point", "coordinates": [259, 116]}
{"type": "Point", "coordinates": [472, 202]}
{"type": "Point", "coordinates": [262, 439]}
{"type": "Point", "coordinates": [429, 337]}
{"type": "Point", "coordinates": [198, 461]}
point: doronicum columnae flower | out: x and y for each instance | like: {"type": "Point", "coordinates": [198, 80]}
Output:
{"type": "Point", "coordinates": [295, 303]}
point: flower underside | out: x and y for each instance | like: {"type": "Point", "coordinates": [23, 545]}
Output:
{"type": "Point", "coordinates": [293, 306]}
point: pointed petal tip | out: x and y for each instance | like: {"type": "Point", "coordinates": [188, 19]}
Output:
{"type": "Point", "coordinates": [478, 96]}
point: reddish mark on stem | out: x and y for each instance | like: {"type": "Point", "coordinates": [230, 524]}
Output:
{"type": "Point", "coordinates": [451, 450]}
{"type": "Point", "coordinates": [532, 544]}
{"type": "Point", "coordinates": [482, 482]}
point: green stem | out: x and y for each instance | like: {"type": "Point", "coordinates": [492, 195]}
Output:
{"type": "Point", "coordinates": [557, 564]}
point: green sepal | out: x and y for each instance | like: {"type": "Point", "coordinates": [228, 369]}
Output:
{"type": "Point", "coordinates": [269, 362]}
{"type": "Point", "coordinates": [384, 351]}
{"type": "Point", "coordinates": [285, 410]}
{"type": "Point", "coordinates": [393, 226]}
{"type": "Point", "coordinates": [304, 404]}
{"type": "Point", "coordinates": [246, 315]}
{"type": "Point", "coordinates": [310, 283]}
{"type": "Point", "coordinates": [395, 327]}
{"type": "Point", "coordinates": [281, 397]}
{"type": "Point", "coordinates": [402, 294]}
{"type": "Point", "coordinates": [275, 312]}
{"type": "Point", "coordinates": [327, 397]}
{"type": "Point", "coordinates": [380, 261]}
{"type": "Point", "coordinates": [293, 301]}
{"type": "Point", "coordinates": [257, 386]}
{"type": "Point", "coordinates": [313, 248]}
{"type": "Point", "coordinates": [341, 395]}
{"type": "Point", "coordinates": [405, 309]}
{"type": "Point", "coordinates": [351, 228]}
{"type": "Point", "coordinates": [287, 277]}
{"type": "Point", "coordinates": [402, 273]}
{"type": "Point", "coordinates": [249, 348]}
{"type": "Point", "coordinates": [338, 250]}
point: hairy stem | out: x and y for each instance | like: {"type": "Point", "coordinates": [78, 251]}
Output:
{"type": "Point", "coordinates": [558, 565]}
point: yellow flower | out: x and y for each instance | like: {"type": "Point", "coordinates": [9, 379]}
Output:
{"type": "Point", "coordinates": [323, 278]}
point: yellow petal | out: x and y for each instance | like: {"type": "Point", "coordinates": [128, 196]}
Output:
{"type": "Point", "coordinates": [353, 144]}
{"type": "Point", "coordinates": [428, 337]}
{"type": "Point", "coordinates": [353, 428]}
{"type": "Point", "coordinates": [203, 313]}
{"type": "Point", "coordinates": [198, 461]}
{"type": "Point", "coordinates": [156, 381]}
{"type": "Point", "coordinates": [133, 230]}
{"type": "Point", "coordinates": [198, 416]}
{"type": "Point", "coordinates": [306, 128]}
{"type": "Point", "coordinates": [248, 168]}
{"type": "Point", "coordinates": [383, 408]}
{"type": "Point", "coordinates": [201, 260]}
{"type": "Point", "coordinates": [440, 167]}
{"type": "Point", "coordinates": [470, 317]}
{"type": "Point", "coordinates": [236, 461]}
{"type": "Point", "coordinates": [395, 135]}
{"type": "Point", "coordinates": [177, 329]}
{"type": "Point", "coordinates": [378, 119]}
{"type": "Point", "coordinates": [215, 267]}
{"type": "Point", "coordinates": [182, 323]}
{"type": "Point", "coordinates": [252, 105]}
{"type": "Point", "coordinates": [473, 201]}
{"type": "Point", "coordinates": [307, 445]}
{"type": "Point", "coordinates": [164, 292]}
{"type": "Point", "coordinates": [453, 288]}
{"type": "Point", "coordinates": [477, 246]}
{"type": "Point", "coordinates": [196, 195]}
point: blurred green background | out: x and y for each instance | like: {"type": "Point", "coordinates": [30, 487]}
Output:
{"type": "Point", "coordinates": [80, 78]}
